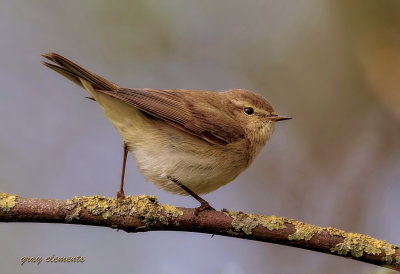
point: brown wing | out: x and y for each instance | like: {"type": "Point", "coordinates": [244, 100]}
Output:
{"type": "Point", "coordinates": [173, 106]}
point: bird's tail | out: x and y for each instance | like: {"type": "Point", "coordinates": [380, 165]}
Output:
{"type": "Point", "coordinates": [77, 74]}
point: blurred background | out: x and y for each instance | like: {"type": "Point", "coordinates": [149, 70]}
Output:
{"type": "Point", "coordinates": [332, 65]}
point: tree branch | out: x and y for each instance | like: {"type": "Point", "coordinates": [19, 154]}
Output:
{"type": "Point", "coordinates": [144, 213]}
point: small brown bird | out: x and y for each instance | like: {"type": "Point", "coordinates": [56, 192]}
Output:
{"type": "Point", "coordinates": [187, 142]}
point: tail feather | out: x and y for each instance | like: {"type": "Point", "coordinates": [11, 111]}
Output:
{"type": "Point", "coordinates": [76, 73]}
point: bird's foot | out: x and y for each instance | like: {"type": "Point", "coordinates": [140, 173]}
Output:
{"type": "Point", "coordinates": [203, 207]}
{"type": "Point", "coordinates": [120, 195]}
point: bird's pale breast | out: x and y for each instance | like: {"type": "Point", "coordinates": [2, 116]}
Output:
{"type": "Point", "coordinates": [161, 150]}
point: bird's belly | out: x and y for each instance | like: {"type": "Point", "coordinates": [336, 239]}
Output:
{"type": "Point", "coordinates": [162, 152]}
{"type": "Point", "coordinates": [200, 172]}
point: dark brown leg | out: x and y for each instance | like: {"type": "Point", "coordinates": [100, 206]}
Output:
{"type": "Point", "coordinates": [120, 193]}
{"type": "Point", "coordinates": [204, 205]}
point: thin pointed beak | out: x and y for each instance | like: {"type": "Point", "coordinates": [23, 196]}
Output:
{"type": "Point", "coordinates": [276, 118]}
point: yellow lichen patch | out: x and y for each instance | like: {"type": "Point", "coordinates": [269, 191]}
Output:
{"type": "Point", "coordinates": [358, 244]}
{"type": "Point", "coordinates": [7, 201]}
{"type": "Point", "coordinates": [147, 207]}
{"type": "Point", "coordinates": [355, 244]}
{"type": "Point", "coordinates": [304, 231]}
{"type": "Point", "coordinates": [248, 222]}
{"type": "Point", "coordinates": [152, 211]}
{"type": "Point", "coordinates": [74, 215]}
{"type": "Point", "coordinates": [334, 231]}
{"type": "Point", "coordinates": [99, 205]}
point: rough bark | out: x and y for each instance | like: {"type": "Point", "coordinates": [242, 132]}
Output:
{"type": "Point", "coordinates": [145, 213]}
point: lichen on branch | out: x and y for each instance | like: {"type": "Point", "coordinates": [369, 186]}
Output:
{"type": "Point", "coordinates": [145, 213]}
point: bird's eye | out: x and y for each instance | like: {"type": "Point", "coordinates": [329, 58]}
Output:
{"type": "Point", "coordinates": [249, 110]}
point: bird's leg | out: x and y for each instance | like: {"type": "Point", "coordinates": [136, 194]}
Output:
{"type": "Point", "coordinates": [120, 193]}
{"type": "Point", "coordinates": [204, 205]}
